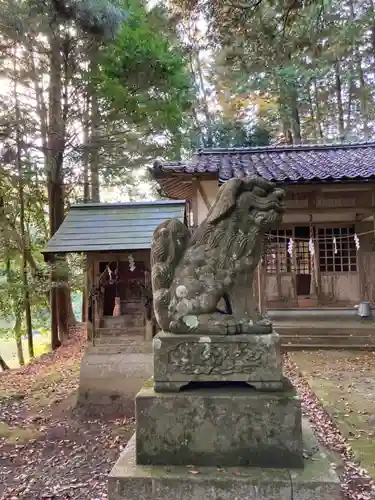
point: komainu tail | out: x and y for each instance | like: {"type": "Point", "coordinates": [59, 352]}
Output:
{"type": "Point", "coordinates": [169, 241]}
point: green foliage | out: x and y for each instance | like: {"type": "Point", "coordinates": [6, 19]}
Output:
{"type": "Point", "coordinates": [228, 134]}
{"type": "Point", "coordinates": [307, 65]}
{"type": "Point", "coordinates": [142, 74]}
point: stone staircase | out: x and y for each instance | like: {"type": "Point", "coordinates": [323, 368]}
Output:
{"type": "Point", "coordinates": [299, 329]}
{"type": "Point", "coordinates": [122, 333]}
{"type": "Point", "coordinates": [119, 340]}
{"type": "Point", "coordinates": [323, 329]}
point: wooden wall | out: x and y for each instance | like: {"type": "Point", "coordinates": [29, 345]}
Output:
{"type": "Point", "coordinates": [327, 206]}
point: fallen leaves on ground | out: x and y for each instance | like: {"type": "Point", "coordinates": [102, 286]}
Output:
{"type": "Point", "coordinates": [47, 450]}
{"type": "Point", "coordinates": [357, 484]}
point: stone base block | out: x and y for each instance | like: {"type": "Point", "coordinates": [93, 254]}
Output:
{"type": "Point", "coordinates": [181, 359]}
{"type": "Point", "coordinates": [110, 379]}
{"type": "Point", "coordinates": [316, 481]}
{"type": "Point", "coordinates": [230, 426]}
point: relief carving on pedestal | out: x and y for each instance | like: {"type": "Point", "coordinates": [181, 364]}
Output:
{"type": "Point", "coordinates": [210, 359]}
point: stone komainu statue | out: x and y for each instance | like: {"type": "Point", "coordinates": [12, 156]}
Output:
{"type": "Point", "coordinates": [191, 274]}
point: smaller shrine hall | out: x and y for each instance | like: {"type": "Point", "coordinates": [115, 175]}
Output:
{"type": "Point", "coordinates": [116, 240]}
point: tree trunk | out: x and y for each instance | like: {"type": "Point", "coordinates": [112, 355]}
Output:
{"type": "Point", "coordinates": [3, 364]}
{"type": "Point", "coordinates": [95, 123]}
{"type": "Point", "coordinates": [340, 107]}
{"type": "Point", "coordinates": [86, 184]}
{"type": "Point", "coordinates": [24, 239]}
{"type": "Point", "coordinates": [86, 145]}
{"type": "Point", "coordinates": [284, 114]}
{"type": "Point", "coordinates": [295, 119]}
{"type": "Point", "coordinates": [60, 295]}
{"type": "Point", "coordinates": [363, 91]}
{"type": "Point", "coordinates": [206, 111]}
{"type": "Point", "coordinates": [363, 97]}
{"type": "Point", "coordinates": [54, 164]}
{"type": "Point", "coordinates": [319, 119]}
{"type": "Point", "coordinates": [55, 341]}
{"type": "Point", "coordinates": [314, 125]}
{"type": "Point", "coordinates": [29, 326]}
{"type": "Point", "coordinates": [18, 337]}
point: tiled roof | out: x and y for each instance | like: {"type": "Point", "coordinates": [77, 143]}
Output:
{"type": "Point", "coordinates": [287, 164]}
{"type": "Point", "coordinates": [98, 227]}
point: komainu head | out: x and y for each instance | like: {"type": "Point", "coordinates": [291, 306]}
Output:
{"type": "Point", "coordinates": [253, 200]}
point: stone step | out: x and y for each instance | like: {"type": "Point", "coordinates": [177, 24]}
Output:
{"type": "Point", "coordinates": [322, 347]}
{"type": "Point", "coordinates": [336, 326]}
{"type": "Point", "coordinates": [122, 326]}
{"type": "Point", "coordinates": [332, 339]}
{"type": "Point", "coordinates": [118, 332]}
{"type": "Point", "coordinates": [118, 349]}
{"type": "Point", "coordinates": [120, 340]}
{"type": "Point", "coordinates": [325, 333]}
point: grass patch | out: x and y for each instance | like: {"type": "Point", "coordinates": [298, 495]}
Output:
{"type": "Point", "coordinates": [9, 350]}
{"type": "Point", "coordinates": [341, 381]}
{"type": "Point", "coordinates": [18, 434]}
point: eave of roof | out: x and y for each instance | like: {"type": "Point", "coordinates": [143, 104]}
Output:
{"type": "Point", "coordinates": [104, 227]}
{"type": "Point", "coordinates": [284, 164]}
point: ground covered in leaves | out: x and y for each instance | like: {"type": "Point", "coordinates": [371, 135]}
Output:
{"type": "Point", "coordinates": [48, 450]}
{"type": "Point", "coordinates": [337, 389]}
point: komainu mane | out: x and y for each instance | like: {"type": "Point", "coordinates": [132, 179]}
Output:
{"type": "Point", "coordinates": [191, 274]}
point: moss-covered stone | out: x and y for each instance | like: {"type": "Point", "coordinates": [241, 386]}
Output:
{"type": "Point", "coordinates": [219, 426]}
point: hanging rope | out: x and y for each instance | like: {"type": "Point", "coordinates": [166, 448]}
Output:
{"type": "Point", "coordinates": [337, 238]}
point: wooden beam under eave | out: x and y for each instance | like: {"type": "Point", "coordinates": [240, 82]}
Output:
{"type": "Point", "coordinates": [194, 200]}
{"type": "Point", "coordinates": [203, 195]}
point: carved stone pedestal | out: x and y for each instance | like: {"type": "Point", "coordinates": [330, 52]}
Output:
{"type": "Point", "coordinates": [228, 426]}
{"type": "Point", "coordinates": [183, 359]}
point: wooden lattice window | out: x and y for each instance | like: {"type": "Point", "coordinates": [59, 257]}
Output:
{"type": "Point", "coordinates": [277, 259]}
{"type": "Point", "coordinates": [345, 258]}
{"type": "Point", "coordinates": [303, 258]}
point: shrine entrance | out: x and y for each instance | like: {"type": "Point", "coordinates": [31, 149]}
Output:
{"type": "Point", "coordinates": [122, 303]}
{"type": "Point", "coordinates": [122, 283]}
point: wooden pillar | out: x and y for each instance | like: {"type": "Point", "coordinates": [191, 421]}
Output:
{"type": "Point", "coordinates": [259, 284]}
{"type": "Point", "coordinates": [294, 266]}
{"type": "Point", "coordinates": [97, 306]}
{"type": "Point", "coordinates": [314, 287]}
{"type": "Point", "coordinates": [360, 265]}
{"type": "Point", "coordinates": [86, 298]}
{"type": "Point", "coordinates": [93, 302]}
{"type": "Point", "coordinates": [203, 196]}
{"type": "Point", "coordinates": [278, 275]}
{"type": "Point", "coordinates": [194, 200]}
